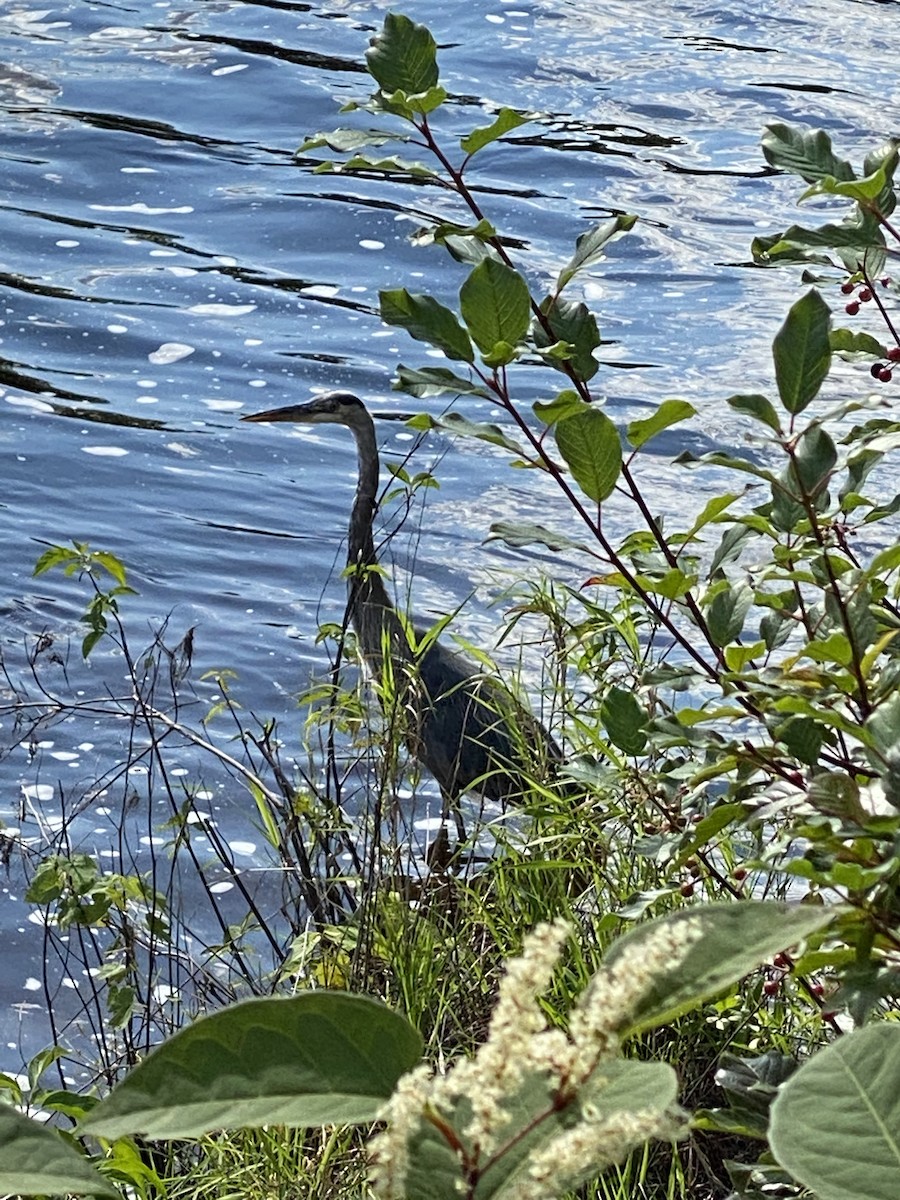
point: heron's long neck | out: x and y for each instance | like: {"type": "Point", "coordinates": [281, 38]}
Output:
{"type": "Point", "coordinates": [370, 606]}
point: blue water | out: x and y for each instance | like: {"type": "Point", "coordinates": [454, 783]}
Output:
{"type": "Point", "coordinates": [166, 264]}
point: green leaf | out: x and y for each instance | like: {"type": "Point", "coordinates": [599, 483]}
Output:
{"type": "Point", "coordinates": [36, 1161]}
{"type": "Point", "coordinates": [565, 404]}
{"type": "Point", "coordinates": [425, 319]}
{"type": "Point", "coordinates": [495, 305]}
{"type": "Point", "coordinates": [589, 442]}
{"type": "Point", "coordinates": [573, 324]}
{"type": "Point", "coordinates": [758, 407]}
{"type": "Point", "coordinates": [803, 738]}
{"type": "Point", "coordinates": [403, 57]}
{"type": "Point", "coordinates": [846, 341]}
{"type": "Point", "coordinates": [589, 246]}
{"type": "Point", "coordinates": [505, 120]}
{"type": "Point", "coordinates": [455, 423]}
{"type": "Point", "coordinates": [317, 1058]}
{"type": "Point", "coordinates": [808, 155]}
{"type": "Point", "coordinates": [346, 140]}
{"type": "Point", "coordinates": [670, 412]}
{"type": "Point", "coordinates": [435, 381]}
{"type": "Point", "coordinates": [736, 938]}
{"type": "Point", "coordinates": [727, 612]}
{"type": "Point", "coordinates": [802, 352]}
{"type": "Point", "coordinates": [862, 190]}
{"type": "Point", "coordinates": [56, 556]}
{"type": "Point", "coordinates": [525, 533]}
{"type": "Point", "coordinates": [835, 1124]}
{"type": "Point", "coordinates": [625, 720]}
{"type": "Point", "coordinates": [382, 166]}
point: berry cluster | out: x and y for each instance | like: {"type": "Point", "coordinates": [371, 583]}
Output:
{"type": "Point", "coordinates": [878, 370]}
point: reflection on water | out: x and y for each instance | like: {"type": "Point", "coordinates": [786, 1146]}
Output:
{"type": "Point", "coordinates": [166, 264]}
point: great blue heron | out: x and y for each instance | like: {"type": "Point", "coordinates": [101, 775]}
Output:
{"type": "Point", "coordinates": [463, 725]}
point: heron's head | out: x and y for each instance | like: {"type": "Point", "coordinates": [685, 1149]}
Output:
{"type": "Point", "coordinates": [331, 408]}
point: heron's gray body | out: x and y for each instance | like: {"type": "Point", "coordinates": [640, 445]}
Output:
{"type": "Point", "coordinates": [464, 726]}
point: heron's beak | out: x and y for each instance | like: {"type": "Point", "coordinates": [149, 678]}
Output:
{"type": "Point", "coordinates": [292, 412]}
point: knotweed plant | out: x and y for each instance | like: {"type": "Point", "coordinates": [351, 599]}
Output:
{"type": "Point", "coordinates": [537, 1110]}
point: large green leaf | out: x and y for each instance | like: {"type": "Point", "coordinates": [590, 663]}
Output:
{"type": "Point", "coordinates": [727, 612]}
{"type": "Point", "coordinates": [624, 720]}
{"type": "Point", "coordinates": [425, 319]}
{"type": "Point", "coordinates": [590, 444]}
{"type": "Point", "coordinates": [572, 323]}
{"type": "Point", "coordinates": [495, 305]}
{"type": "Point", "coordinates": [756, 406]}
{"type": "Point", "coordinates": [802, 352]}
{"type": "Point", "coordinates": [808, 155]}
{"type": "Point", "coordinates": [835, 1124]}
{"type": "Point", "coordinates": [589, 247]}
{"type": "Point", "coordinates": [456, 423]}
{"type": "Point", "coordinates": [35, 1161]}
{"type": "Point", "coordinates": [403, 57]}
{"type": "Point", "coordinates": [435, 381]}
{"type": "Point", "coordinates": [735, 939]}
{"type": "Point", "coordinates": [319, 1058]}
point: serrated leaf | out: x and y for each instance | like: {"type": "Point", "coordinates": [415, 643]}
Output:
{"type": "Point", "coordinates": [384, 166]}
{"type": "Point", "coordinates": [808, 155]}
{"type": "Point", "coordinates": [495, 304]}
{"type": "Point", "coordinates": [670, 412]}
{"type": "Point", "coordinates": [312, 1059]}
{"type": "Point", "coordinates": [505, 120]}
{"type": "Point", "coordinates": [736, 938]}
{"type": "Point", "coordinates": [574, 325]}
{"type": "Point", "coordinates": [835, 1124]}
{"type": "Point", "coordinates": [425, 319]}
{"type": "Point", "coordinates": [756, 406]}
{"type": "Point", "coordinates": [589, 246]}
{"type": "Point", "coordinates": [35, 1161]}
{"type": "Point", "coordinates": [525, 533]}
{"type": "Point", "coordinates": [589, 442]}
{"type": "Point", "coordinates": [624, 720]}
{"type": "Point", "coordinates": [403, 57]}
{"type": "Point", "coordinates": [802, 352]}
{"type": "Point", "coordinates": [435, 381]}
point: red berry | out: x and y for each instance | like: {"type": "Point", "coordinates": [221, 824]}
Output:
{"type": "Point", "coordinates": [885, 375]}
{"type": "Point", "coordinates": [687, 889]}
{"type": "Point", "coordinates": [885, 281]}
{"type": "Point", "coordinates": [772, 987]}
{"type": "Point", "coordinates": [894, 354]}
{"type": "Point", "coordinates": [865, 295]}
{"type": "Point", "coordinates": [848, 288]}
{"type": "Point", "coordinates": [817, 989]}
{"type": "Point", "coordinates": [852, 308]}
{"type": "Point", "coordinates": [876, 369]}
{"type": "Point", "coordinates": [739, 873]}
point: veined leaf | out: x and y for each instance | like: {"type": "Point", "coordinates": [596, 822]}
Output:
{"type": "Point", "coordinates": [808, 155]}
{"type": "Point", "coordinates": [835, 1124]}
{"type": "Point", "coordinates": [495, 304]}
{"type": "Point", "coordinates": [455, 423]}
{"type": "Point", "coordinates": [589, 442]}
{"type": "Point", "coordinates": [756, 406]}
{"type": "Point", "coordinates": [425, 319]}
{"type": "Point", "coordinates": [575, 325]}
{"type": "Point", "coordinates": [36, 1161]}
{"type": "Point", "coordinates": [311, 1059]}
{"type": "Point", "coordinates": [345, 140]}
{"type": "Point", "coordinates": [435, 381]}
{"type": "Point", "coordinates": [565, 404]}
{"type": "Point", "coordinates": [403, 57]}
{"type": "Point", "coordinates": [802, 352]}
{"type": "Point", "coordinates": [848, 341]}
